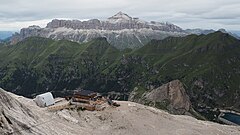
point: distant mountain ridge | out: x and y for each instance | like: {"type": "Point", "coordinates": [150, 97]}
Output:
{"type": "Point", "coordinates": [121, 30]}
{"type": "Point", "coordinates": [120, 21]}
{"type": "Point", "coordinates": [205, 32]}
{"type": "Point", "coordinates": [5, 34]}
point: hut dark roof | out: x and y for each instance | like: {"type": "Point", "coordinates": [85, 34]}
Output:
{"type": "Point", "coordinates": [85, 93]}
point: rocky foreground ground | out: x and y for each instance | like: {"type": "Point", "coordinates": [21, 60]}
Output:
{"type": "Point", "coordinates": [20, 115]}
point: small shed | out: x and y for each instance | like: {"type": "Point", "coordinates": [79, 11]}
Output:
{"type": "Point", "coordinates": [45, 100]}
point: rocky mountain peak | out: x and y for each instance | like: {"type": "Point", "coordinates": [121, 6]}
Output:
{"type": "Point", "coordinates": [222, 30]}
{"type": "Point", "coordinates": [120, 16]}
{"type": "Point", "coordinates": [34, 27]}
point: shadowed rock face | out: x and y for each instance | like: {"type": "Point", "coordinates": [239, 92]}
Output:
{"type": "Point", "coordinates": [121, 30]}
{"type": "Point", "coordinates": [171, 96]}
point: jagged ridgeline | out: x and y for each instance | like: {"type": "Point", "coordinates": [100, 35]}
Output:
{"type": "Point", "coordinates": [208, 65]}
{"type": "Point", "coordinates": [121, 30]}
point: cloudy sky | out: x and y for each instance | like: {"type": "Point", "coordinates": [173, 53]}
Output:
{"type": "Point", "coordinates": [207, 14]}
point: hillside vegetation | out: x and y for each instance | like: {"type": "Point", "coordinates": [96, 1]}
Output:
{"type": "Point", "coordinates": [208, 66]}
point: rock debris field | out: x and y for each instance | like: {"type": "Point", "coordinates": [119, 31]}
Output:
{"type": "Point", "coordinates": [20, 115]}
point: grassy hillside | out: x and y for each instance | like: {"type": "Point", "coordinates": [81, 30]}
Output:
{"type": "Point", "coordinates": [39, 64]}
{"type": "Point", "coordinates": [208, 65]}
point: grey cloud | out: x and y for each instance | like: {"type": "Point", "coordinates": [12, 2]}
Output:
{"type": "Point", "coordinates": [187, 13]}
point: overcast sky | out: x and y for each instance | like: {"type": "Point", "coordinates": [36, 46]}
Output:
{"type": "Point", "coordinates": [207, 14]}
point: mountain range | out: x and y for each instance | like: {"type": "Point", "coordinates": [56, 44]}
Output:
{"type": "Point", "coordinates": [121, 30]}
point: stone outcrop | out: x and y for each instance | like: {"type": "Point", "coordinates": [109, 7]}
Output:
{"type": "Point", "coordinates": [171, 96]}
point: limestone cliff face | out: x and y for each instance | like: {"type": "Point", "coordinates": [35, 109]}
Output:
{"type": "Point", "coordinates": [121, 30]}
{"type": "Point", "coordinates": [119, 21]}
{"type": "Point", "coordinates": [171, 96]}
